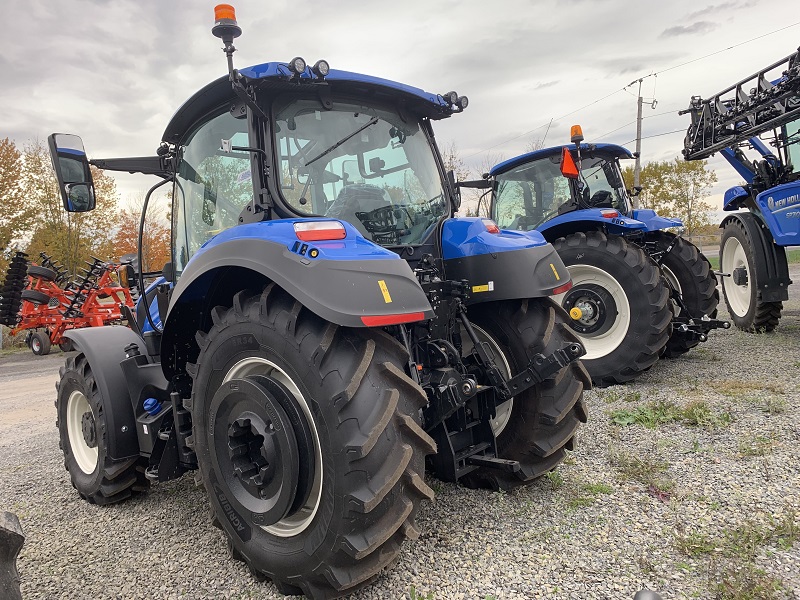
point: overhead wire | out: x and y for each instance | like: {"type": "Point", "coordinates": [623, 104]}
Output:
{"type": "Point", "coordinates": [624, 89]}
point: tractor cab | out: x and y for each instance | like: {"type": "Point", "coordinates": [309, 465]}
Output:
{"type": "Point", "coordinates": [535, 187]}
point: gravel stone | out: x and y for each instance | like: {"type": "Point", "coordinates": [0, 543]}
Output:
{"type": "Point", "coordinates": [587, 532]}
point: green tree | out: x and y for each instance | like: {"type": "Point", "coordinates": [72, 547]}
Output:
{"type": "Point", "coordinates": [676, 188]}
{"type": "Point", "coordinates": [14, 212]}
{"type": "Point", "coordinates": [69, 238]}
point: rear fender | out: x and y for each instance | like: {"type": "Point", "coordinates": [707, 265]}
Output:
{"type": "Point", "coordinates": [772, 270]}
{"type": "Point", "coordinates": [342, 281]}
{"type": "Point", "coordinates": [590, 219]}
{"type": "Point", "coordinates": [503, 265]}
{"type": "Point", "coordinates": [104, 348]}
{"type": "Point", "coordinates": [653, 221]}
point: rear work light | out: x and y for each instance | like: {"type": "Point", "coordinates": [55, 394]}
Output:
{"type": "Point", "coordinates": [491, 226]}
{"type": "Point", "coordinates": [609, 213]}
{"type": "Point", "coordinates": [316, 231]}
{"type": "Point", "coordinates": [383, 320]}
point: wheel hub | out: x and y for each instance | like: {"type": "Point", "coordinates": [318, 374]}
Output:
{"type": "Point", "coordinates": [263, 447]}
{"type": "Point", "coordinates": [739, 276]}
{"type": "Point", "coordinates": [592, 309]}
{"type": "Point", "coordinates": [89, 429]}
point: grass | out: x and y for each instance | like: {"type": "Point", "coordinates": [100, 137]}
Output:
{"type": "Point", "coordinates": [733, 574]}
{"type": "Point", "coordinates": [737, 388]}
{"type": "Point", "coordinates": [652, 414]}
{"type": "Point", "coordinates": [758, 445]}
{"type": "Point", "coordinates": [648, 472]}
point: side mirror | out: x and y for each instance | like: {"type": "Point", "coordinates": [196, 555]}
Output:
{"type": "Point", "coordinates": [637, 189]}
{"type": "Point", "coordinates": [72, 171]}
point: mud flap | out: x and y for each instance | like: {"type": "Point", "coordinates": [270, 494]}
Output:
{"type": "Point", "coordinates": [11, 540]}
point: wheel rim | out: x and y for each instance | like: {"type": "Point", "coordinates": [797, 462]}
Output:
{"type": "Point", "coordinates": [606, 339]}
{"type": "Point", "coordinates": [80, 418]}
{"type": "Point", "coordinates": [302, 518]}
{"type": "Point", "coordinates": [738, 296]}
{"type": "Point", "coordinates": [36, 345]}
{"type": "Point", "coordinates": [502, 411]}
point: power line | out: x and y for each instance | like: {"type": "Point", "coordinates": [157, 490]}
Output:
{"type": "Point", "coordinates": [656, 135]}
{"type": "Point", "coordinates": [624, 89]}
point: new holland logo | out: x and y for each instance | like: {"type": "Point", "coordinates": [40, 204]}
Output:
{"type": "Point", "coordinates": [771, 203]}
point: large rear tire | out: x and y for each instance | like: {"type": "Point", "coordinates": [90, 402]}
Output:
{"type": "Point", "coordinates": [689, 272]}
{"type": "Point", "coordinates": [539, 425]}
{"type": "Point", "coordinates": [83, 438]}
{"type": "Point", "coordinates": [358, 455]}
{"type": "Point", "coordinates": [623, 315]}
{"type": "Point", "coordinates": [740, 289]}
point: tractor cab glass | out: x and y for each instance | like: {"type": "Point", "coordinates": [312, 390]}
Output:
{"type": "Point", "coordinates": [212, 186]}
{"type": "Point", "coordinates": [368, 166]}
{"type": "Point", "coordinates": [534, 192]}
{"type": "Point", "coordinates": [73, 172]}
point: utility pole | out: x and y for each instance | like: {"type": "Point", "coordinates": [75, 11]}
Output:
{"type": "Point", "coordinates": [637, 169]}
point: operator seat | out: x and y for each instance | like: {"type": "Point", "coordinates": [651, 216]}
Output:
{"type": "Point", "coordinates": [358, 198]}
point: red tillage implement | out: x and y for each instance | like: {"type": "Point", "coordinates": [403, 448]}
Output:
{"type": "Point", "coordinates": [35, 300]}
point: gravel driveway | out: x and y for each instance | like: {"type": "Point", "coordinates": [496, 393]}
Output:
{"type": "Point", "coordinates": [704, 503]}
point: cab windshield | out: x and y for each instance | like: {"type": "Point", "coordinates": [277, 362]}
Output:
{"type": "Point", "coordinates": [367, 166]}
{"type": "Point", "coordinates": [535, 192]}
{"type": "Point", "coordinates": [793, 139]}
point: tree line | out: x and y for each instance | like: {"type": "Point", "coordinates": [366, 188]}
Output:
{"type": "Point", "coordinates": [32, 218]}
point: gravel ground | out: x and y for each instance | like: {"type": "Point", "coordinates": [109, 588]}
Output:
{"type": "Point", "coordinates": [633, 507]}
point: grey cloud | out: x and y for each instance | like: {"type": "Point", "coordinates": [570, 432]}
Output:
{"type": "Point", "coordinates": [718, 10]}
{"type": "Point", "coordinates": [697, 27]}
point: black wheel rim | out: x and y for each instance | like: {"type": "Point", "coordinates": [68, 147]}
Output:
{"type": "Point", "coordinates": [264, 451]}
{"type": "Point", "coordinates": [597, 307]}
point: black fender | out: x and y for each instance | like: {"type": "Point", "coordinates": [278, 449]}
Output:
{"type": "Point", "coordinates": [769, 259]}
{"type": "Point", "coordinates": [339, 291]}
{"type": "Point", "coordinates": [527, 273]}
{"type": "Point", "coordinates": [104, 348]}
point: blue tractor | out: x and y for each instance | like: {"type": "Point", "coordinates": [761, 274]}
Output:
{"type": "Point", "coordinates": [325, 330]}
{"type": "Point", "coordinates": [639, 291]}
{"type": "Point", "coordinates": [765, 209]}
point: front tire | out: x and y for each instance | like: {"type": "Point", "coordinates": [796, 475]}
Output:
{"type": "Point", "coordinates": [539, 425]}
{"type": "Point", "coordinates": [689, 272]}
{"type": "Point", "coordinates": [747, 312]}
{"type": "Point", "coordinates": [623, 315]}
{"type": "Point", "coordinates": [83, 438]}
{"type": "Point", "coordinates": [358, 442]}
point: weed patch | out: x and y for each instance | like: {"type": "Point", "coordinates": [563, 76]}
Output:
{"type": "Point", "coordinates": [652, 414]}
{"type": "Point", "coordinates": [650, 473]}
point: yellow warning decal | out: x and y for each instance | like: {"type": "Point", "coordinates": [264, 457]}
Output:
{"type": "Point", "coordinates": [479, 288]}
{"type": "Point", "coordinates": [552, 266]}
{"type": "Point", "coordinates": [385, 291]}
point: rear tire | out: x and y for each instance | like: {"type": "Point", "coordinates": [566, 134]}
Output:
{"type": "Point", "coordinates": [83, 438]}
{"type": "Point", "coordinates": [740, 289]}
{"type": "Point", "coordinates": [362, 470]}
{"type": "Point", "coordinates": [627, 316]}
{"type": "Point", "coordinates": [40, 343]}
{"type": "Point", "coordinates": [542, 421]}
{"type": "Point", "coordinates": [690, 273]}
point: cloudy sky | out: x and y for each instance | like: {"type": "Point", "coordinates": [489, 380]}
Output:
{"type": "Point", "coordinates": [114, 71]}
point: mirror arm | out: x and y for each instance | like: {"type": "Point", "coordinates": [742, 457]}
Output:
{"type": "Point", "coordinates": [148, 165]}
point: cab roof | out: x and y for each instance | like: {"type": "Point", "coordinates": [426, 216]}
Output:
{"type": "Point", "coordinates": [507, 165]}
{"type": "Point", "coordinates": [277, 77]}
